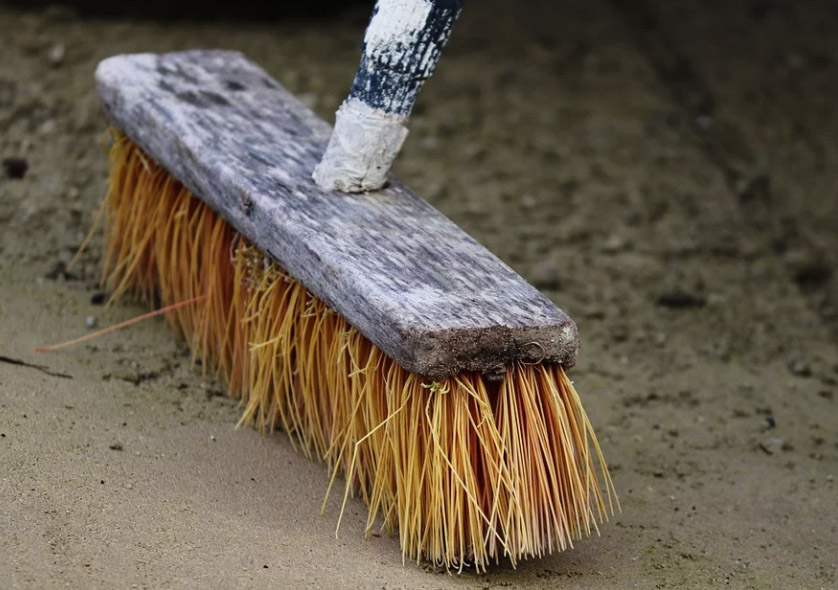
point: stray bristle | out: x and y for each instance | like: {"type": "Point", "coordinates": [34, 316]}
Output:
{"type": "Point", "coordinates": [467, 470]}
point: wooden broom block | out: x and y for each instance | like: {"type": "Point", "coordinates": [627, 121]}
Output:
{"type": "Point", "coordinates": [415, 284]}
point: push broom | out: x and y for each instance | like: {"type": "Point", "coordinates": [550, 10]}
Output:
{"type": "Point", "coordinates": [343, 308]}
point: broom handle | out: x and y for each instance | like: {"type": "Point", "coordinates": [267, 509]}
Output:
{"type": "Point", "coordinates": [402, 45]}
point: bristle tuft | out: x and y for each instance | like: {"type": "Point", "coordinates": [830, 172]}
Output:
{"type": "Point", "coordinates": [468, 471]}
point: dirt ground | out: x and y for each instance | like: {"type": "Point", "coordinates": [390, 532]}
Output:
{"type": "Point", "coordinates": [667, 172]}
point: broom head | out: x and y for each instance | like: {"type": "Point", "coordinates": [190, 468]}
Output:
{"type": "Point", "coordinates": [378, 335]}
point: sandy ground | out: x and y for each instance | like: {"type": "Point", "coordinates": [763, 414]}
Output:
{"type": "Point", "coordinates": [619, 156]}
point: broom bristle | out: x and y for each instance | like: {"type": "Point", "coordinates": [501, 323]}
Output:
{"type": "Point", "coordinates": [467, 470]}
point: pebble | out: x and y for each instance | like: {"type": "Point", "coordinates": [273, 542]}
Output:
{"type": "Point", "coordinates": [529, 201]}
{"type": "Point", "coordinates": [90, 321]}
{"type": "Point", "coordinates": [15, 168]}
{"type": "Point", "coordinates": [807, 266]}
{"type": "Point", "coordinates": [613, 244]}
{"type": "Point", "coordinates": [800, 368]}
{"type": "Point", "coordinates": [56, 54]}
{"type": "Point", "coordinates": [678, 299]}
{"type": "Point", "coordinates": [212, 438]}
{"type": "Point", "coordinates": [47, 127]}
{"type": "Point", "coordinates": [774, 445]}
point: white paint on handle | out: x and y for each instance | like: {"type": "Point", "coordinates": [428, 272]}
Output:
{"type": "Point", "coordinates": [361, 150]}
{"type": "Point", "coordinates": [395, 28]}
{"type": "Point", "coordinates": [366, 139]}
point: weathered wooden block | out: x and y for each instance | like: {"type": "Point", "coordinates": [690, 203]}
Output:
{"type": "Point", "coordinates": [398, 270]}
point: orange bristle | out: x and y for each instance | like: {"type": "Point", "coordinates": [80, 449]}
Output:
{"type": "Point", "coordinates": [467, 470]}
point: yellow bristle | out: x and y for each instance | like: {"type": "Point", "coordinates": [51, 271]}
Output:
{"type": "Point", "coordinates": [467, 470]}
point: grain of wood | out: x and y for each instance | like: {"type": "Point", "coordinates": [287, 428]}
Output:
{"type": "Point", "coordinates": [414, 283]}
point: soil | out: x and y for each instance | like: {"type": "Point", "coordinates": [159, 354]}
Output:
{"type": "Point", "coordinates": [667, 172]}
